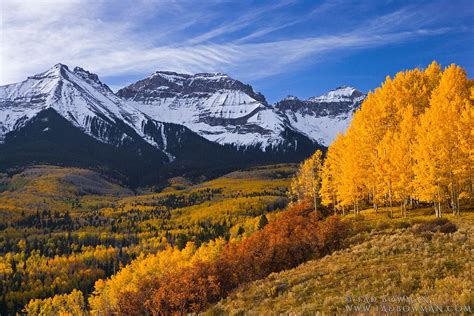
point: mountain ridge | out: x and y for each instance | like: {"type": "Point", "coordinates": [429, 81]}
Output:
{"type": "Point", "coordinates": [214, 112]}
{"type": "Point", "coordinates": [167, 112]}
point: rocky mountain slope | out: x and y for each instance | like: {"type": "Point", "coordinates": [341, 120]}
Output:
{"type": "Point", "coordinates": [322, 117]}
{"type": "Point", "coordinates": [215, 106]}
{"type": "Point", "coordinates": [226, 111]}
{"type": "Point", "coordinates": [84, 101]}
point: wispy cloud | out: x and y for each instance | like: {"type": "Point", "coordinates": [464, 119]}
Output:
{"type": "Point", "coordinates": [113, 40]}
{"type": "Point", "coordinates": [240, 23]}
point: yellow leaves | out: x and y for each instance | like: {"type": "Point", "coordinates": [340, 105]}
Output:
{"type": "Point", "coordinates": [108, 294]}
{"type": "Point", "coordinates": [420, 123]}
{"type": "Point", "coordinates": [443, 166]}
{"type": "Point", "coordinates": [307, 182]}
{"type": "Point", "coordinates": [5, 268]}
{"type": "Point", "coordinates": [67, 304]}
{"type": "Point", "coordinates": [209, 251]}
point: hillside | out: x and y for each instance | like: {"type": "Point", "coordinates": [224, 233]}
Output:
{"type": "Point", "coordinates": [64, 228]}
{"type": "Point", "coordinates": [388, 258]}
{"type": "Point", "coordinates": [50, 187]}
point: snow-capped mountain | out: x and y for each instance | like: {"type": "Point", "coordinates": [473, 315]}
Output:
{"type": "Point", "coordinates": [215, 106]}
{"type": "Point", "coordinates": [322, 117]}
{"type": "Point", "coordinates": [226, 111]}
{"type": "Point", "coordinates": [166, 124]}
{"type": "Point", "coordinates": [79, 97]}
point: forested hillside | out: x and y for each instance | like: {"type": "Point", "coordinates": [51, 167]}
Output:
{"type": "Point", "coordinates": [65, 228]}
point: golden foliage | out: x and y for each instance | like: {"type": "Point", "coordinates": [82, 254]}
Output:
{"type": "Point", "coordinates": [411, 140]}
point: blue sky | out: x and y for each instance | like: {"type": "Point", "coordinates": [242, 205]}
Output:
{"type": "Point", "coordinates": [303, 48]}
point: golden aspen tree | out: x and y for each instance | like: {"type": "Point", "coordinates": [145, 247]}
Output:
{"type": "Point", "coordinates": [433, 75]}
{"type": "Point", "coordinates": [385, 170]}
{"type": "Point", "coordinates": [379, 159]}
{"type": "Point", "coordinates": [440, 160]}
{"type": "Point", "coordinates": [402, 159]}
{"type": "Point", "coordinates": [382, 113]}
{"type": "Point", "coordinates": [366, 132]}
{"type": "Point", "coordinates": [329, 174]}
{"type": "Point", "coordinates": [352, 185]}
{"type": "Point", "coordinates": [307, 183]}
{"type": "Point", "coordinates": [466, 140]}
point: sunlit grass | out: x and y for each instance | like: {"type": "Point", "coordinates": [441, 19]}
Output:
{"type": "Point", "coordinates": [385, 258]}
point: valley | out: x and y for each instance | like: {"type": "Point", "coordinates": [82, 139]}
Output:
{"type": "Point", "coordinates": [64, 228]}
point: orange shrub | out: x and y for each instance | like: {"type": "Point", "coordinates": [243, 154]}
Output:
{"type": "Point", "coordinates": [292, 239]}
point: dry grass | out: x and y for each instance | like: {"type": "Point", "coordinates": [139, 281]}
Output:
{"type": "Point", "coordinates": [383, 260]}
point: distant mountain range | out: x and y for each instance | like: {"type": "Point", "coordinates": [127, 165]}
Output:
{"type": "Point", "coordinates": [161, 125]}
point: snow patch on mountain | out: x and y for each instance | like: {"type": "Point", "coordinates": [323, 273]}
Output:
{"type": "Point", "coordinates": [322, 129]}
{"type": "Point", "coordinates": [343, 93]}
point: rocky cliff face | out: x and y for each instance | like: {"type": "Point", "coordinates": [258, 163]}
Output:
{"type": "Point", "coordinates": [322, 117]}
{"type": "Point", "coordinates": [226, 111]}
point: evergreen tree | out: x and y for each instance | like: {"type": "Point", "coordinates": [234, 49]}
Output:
{"type": "Point", "coordinates": [262, 222]}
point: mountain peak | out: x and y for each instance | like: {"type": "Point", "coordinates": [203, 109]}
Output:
{"type": "Point", "coordinates": [291, 98]}
{"type": "Point", "coordinates": [179, 78]}
{"type": "Point", "coordinates": [91, 78]}
{"type": "Point", "coordinates": [57, 71]}
{"type": "Point", "coordinates": [323, 116]}
{"type": "Point", "coordinates": [170, 85]}
{"type": "Point", "coordinates": [341, 93]}
{"type": "Point", "coordinates": [60, 66]}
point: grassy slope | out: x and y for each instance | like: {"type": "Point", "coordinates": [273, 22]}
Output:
{"type": "Point", "coordinates": [387, 258]}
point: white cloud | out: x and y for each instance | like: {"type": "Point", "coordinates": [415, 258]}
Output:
{"type": "Point", "coordinates": [38, 34]}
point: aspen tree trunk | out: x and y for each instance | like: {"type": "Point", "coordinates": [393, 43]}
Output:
{"type": "Point", "coordinates": [470, 186]}
{"type": "Point", "coordinates": [451, 186]}
{"type": "Point", "coordinates": [374, 203]}
{"type": "Point", "coordinates": [438, 212]}
{"type": "Point", "coordinates": [315, 198]}
{"type": "Point", "coordinates": [403, 208]}
{"type": "Point", "coordinates": [390, 201]}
